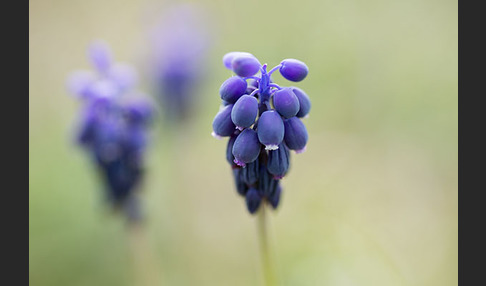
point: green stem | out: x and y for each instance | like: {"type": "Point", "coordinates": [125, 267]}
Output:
{"type": "Point", "coordinates": [267, 266]}
{"type": "Point", "coordinates": [146, 268]}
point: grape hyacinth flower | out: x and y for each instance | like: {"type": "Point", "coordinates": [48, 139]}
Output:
{"type": "Point", "coordinates": [180, 42]}
{"type": "Point", "coordinates": [113, 125]}
{"type": "Point", "coordinates": [263, 123]}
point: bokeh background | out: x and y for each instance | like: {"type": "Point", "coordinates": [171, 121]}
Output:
{"type": "Point", "coordinates": [373, 200]}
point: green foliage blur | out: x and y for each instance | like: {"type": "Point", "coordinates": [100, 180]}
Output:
{"type": "Point", "coordinates": [373, 200]}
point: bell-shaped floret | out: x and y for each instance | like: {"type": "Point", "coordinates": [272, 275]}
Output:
{"type": "Point", "coordinates": [240, 185]}
{"type": "Point", "coordinates": [245, 64]}
{"type": "Point", "coordinates": [253, 200]}
{"type": "Point", "coordinates": [244, 111]}
{"type": "Point", "coordinates": [222, 124]}
{"type": "Point", "coordinates": [266, 183]}
{"type": "Point", "coordinates": [246, 147]}
{"type": "Point", "coordinates": [270, 129]}
{"type": "Point", "coordinates": [250, 173]}
{"type": "Point", "coordinates": [293, 70]}
{"type": "Point", "coordinates": [232, 89]}
{"type": "Point", "coordinates": [304, 102]}
{"type": "Point", "coordinates": [278, 161]}
{"type": "Point", "coordinates": [286, 102]}
{"type": "Point", "coordinates": [295, 134]}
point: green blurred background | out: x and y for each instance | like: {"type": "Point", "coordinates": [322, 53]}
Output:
{"type": "Point", "coordinates": [373, 200]}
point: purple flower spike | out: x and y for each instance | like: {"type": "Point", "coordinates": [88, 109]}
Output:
{"type": "Point", "coordinates": [222, 124]}
{"type": "Point", "coordinates": [293, 70]}
{"type": "Point", "coordinates": [295, 134]}
{"type": "Point", "coordinates": [232, 89]}
{"type": "Point", "coordinates": [180, 40]}
{"type": "Point", "coordinates": [270, 129]}
{"type": "Point", "coordinates": [253, 200]}
{"type": "Point", "coordinates": [265, 114]}
{"type": "Point", "coordinates": [100, 55]}
{"type": "Point", "coordinates": [304, 102]}
{"type": "Point", "coordinates": [278, 161]}
{"type": "Point", "coordinates": [113, 126]}
{"type": "Point", "coordinates": [246, 147]}
{"type": "Point", "coordinates": [245, 64]}
{"type": "Point", "coordinates": [286, 102]}
{"type": "Point", "coordinates": [244, 111]}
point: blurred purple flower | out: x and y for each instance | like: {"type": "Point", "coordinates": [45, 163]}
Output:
{"type": "Point", "coordinates": [113, 124]}
{"type": "Point", "coordinates": [180, 42]}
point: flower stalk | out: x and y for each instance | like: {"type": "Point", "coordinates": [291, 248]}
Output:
{"type": "Point", "coordinates": [265, 249]}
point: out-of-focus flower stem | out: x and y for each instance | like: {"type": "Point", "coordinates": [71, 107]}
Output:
{"type": "Point", "coordinates": [145, 266]}
{"type": "Point", "coordinates": [265, 251]}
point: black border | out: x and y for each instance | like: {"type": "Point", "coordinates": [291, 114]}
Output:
{"type": "Point", "coordinates": [15, 140]}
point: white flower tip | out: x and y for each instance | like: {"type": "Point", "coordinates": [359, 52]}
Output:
{"type": "Point", "coordinates": [271, 147]}
{"type": "Point", "coordinates": [216, 135]}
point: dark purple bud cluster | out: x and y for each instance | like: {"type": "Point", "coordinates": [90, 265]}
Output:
{"type": "Point", "coordinates": [263, 123]}
{"type": "Point", "coordinates": [114, 123]}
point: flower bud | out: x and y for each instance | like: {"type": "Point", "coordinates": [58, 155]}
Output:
{"type": "Point", "coordinates": [286, 102]}
{"type": "Point", "coordinates": [295, 134]}
{"type": "Point", "coordinates": [293, 70]}
{"type": "Point", "coordinates": [245, 64]}
{"type": "Point", "coordinates": [232, 89]}
{"type": "Point", "coordinates": [244, 111]}
{"type": "Point", "coordinates": [222, 124]}
{"type": "Point", "coordinates": [270, 129]}
{"type": "Point", "coordinates": [246, 147]}
{"type": "Point", "coordinates": [304, 102]}
{"type": "Point", "coordinates": [228, 58]}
